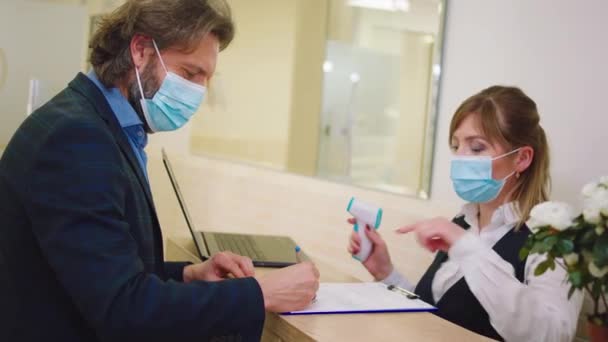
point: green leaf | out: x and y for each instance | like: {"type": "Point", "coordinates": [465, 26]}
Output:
{"type": "Point", "coordinates": [542, 267]}
{"type": "Point", "coordinates": [565, 246]}
{"type": "Point", "coordinates": [541, 235]}
{"type": "Point", "coordinates": [523, 253]}
{"type": "Point", "coordinates": [576, 279]}
{"type": "Point", "coordinates": [529, 243]}
{"type": "Point", "coordinates": [552, 264]}
{"type": "Point", "coordinates": [600, 251]}
{"type": "Point", "coordinates": [537, 248]}
{"type": "Point", "coordinates": [544, 246]}
{"type": "Point", "coordinates": [550, 242]}
{"type": "Point", "coordinates": [588, 237]}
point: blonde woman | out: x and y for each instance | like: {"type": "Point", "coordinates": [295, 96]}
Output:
{"type": "Point", "coordinates": [501, 168]}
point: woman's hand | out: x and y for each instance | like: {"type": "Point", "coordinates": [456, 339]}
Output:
{"type": "Point", "coordinates": [436, 234]}
{"type": "Point", "coordinates": [378, 264]}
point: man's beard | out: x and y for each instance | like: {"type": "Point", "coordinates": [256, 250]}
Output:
{"type": "Point", "coordinates": [150, 85]}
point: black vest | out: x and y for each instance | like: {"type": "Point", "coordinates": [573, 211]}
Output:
{"type": "Point", "coordinates": [459, 305]}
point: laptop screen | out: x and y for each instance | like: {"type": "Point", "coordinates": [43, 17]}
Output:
{"type": "Point", "coordinates": [182, 204]}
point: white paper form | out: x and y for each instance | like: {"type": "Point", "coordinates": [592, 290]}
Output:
{"type": "Point", "coordinates": [343, 298]}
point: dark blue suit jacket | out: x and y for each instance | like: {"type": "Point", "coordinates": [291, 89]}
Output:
{"type": "Point", "coordinates": [80, 243]}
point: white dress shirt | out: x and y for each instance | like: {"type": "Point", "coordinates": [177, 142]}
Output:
{"type": "Point", "coordinates": [536, 310]}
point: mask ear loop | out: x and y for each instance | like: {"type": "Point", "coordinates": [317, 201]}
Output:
{"type": "Point", "coordinates": [510, 175]}
{"type": "Point", "coordinates": [504, 155]}
{"type": "Point", "coordinates": [507, 154]}
{"type": "Point", "coordinates": [159, 57]}
{"type": "Point", "coordinates": [141, 89]}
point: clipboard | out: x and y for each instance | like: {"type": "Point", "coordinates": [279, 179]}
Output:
{"type": "Point", "coordinates": [357, 298]}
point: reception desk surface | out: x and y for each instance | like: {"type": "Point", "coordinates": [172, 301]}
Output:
{"type": "Point", "coordinates": [353, 327]}
{"type": "Point", "coordinates": [241, 199]}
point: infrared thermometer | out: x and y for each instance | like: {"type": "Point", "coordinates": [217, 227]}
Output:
{"type": "Point", "coordinates": [365, 214]}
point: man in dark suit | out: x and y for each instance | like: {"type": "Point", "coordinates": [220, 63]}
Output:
{"type": "Point", "coordinates": [80, 242]}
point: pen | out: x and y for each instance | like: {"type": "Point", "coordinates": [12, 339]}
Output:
{"type": "Point", "coordinates": [300, 255]}
{"type": "Point", "coordinates": [407, 293]}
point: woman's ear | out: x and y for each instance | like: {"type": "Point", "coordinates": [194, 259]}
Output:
{"type": "Point", "coordinates": [524, 159]}
{"type": "Point", "coordinates": [141, 50]}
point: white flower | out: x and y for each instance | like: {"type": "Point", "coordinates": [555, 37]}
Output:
{"type": "Point", "coordinates": [604, 180]}
{"type": "Point", "coordinates": [558, 215]}
{"type": "Point", "coordinates": [592, 215]}
{"type": "Point", "coordinates": [534, 225]}
{"type": "Point", "coordinates": [590, 188]}
{"type": "Point", "coordinates": [597, 202]}
{"type": "Point", "coordinates": [571, 259]}
{"type": "Point", "coordinates": [599, 230]}
{"type": "Point", "coordinates": [596, 271]}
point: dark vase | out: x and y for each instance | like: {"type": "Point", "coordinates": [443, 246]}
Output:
{"type": "Point", "coordinates": [597, 333]}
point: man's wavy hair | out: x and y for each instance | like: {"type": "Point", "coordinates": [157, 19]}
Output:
{"type": "Point", "coordinates": [171, 23]}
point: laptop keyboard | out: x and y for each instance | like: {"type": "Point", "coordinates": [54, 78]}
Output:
{"type": "Point", "coordinates": [239, 244]}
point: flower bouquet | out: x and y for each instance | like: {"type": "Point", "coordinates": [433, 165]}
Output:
{"type": "Point", "coordinates": [579, 244]}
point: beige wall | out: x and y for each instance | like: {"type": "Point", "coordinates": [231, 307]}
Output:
{"type": "Point", "coordinates": [247, 115]}
{"type": "Point", "coordinates": [379, 30]}
{"type": "Point", "coordinates": [341, 24]}
{"type": "Point", "coordinates": [348, 24]}
{"type": "Point", "coordinates": [416, 62]}
{"type": "Point", "coordinates": [92, 6]}
{"type": "Point", "coordinates": [303, 145]}
{"type": "Point", "coordinates": [40, 41]}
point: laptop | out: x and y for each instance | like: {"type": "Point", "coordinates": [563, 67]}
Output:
{"type": "Point", "coordinates": [263, 250]}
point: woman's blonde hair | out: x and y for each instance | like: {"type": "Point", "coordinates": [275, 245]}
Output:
{"type": "Point", "coordinates": [510, 118]}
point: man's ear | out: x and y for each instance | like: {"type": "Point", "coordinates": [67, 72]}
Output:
{"type": "Point", "coordinates": [525, 156]}
{"type": "Point", "coordinates": [141, 49]}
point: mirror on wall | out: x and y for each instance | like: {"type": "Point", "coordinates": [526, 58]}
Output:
{"type": "Point", "coordinates": [376, 100]}
{"type": "Point", "coordinates": [344, 90]}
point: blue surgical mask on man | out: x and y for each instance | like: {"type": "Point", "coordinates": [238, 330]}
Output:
{"type": "Point", "coordinates": [472, 178]}
{"type": "Point", "coordinates": [174, 103]}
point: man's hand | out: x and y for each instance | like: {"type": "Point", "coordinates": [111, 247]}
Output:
{"type": "Point", "coordinates": [291, 288]}
{"type": "Point", "coordinates": [219, 267]}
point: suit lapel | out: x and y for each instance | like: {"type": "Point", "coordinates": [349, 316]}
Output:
{"type": "Point", "coordinates": [89, 90]}
{"type": "Point", "coordinates": [127, 151]}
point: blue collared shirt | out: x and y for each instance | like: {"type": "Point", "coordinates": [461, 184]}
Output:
{"type": "Point", "coordinates": [128, 119]}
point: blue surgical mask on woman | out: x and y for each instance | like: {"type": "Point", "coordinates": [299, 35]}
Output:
{"type": "Point", "coordinates": [472, 178]}
{"type": "Point", "coordinates": [174, 103]}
